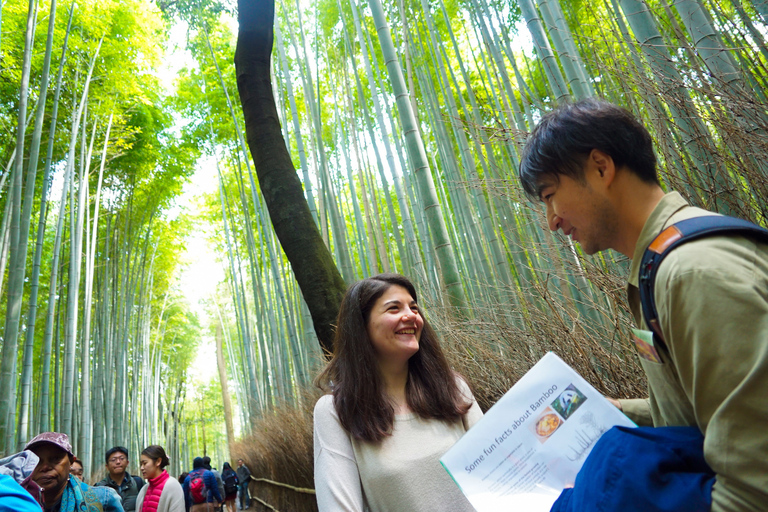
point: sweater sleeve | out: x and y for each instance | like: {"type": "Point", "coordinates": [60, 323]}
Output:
{"type": "Point", "coordinates": [337, 479]}
{"type": "Point", "coordinates": [140, 497]}
{"type": "Point", "coordinates": [638, 410]}
{"type": "Point", "coordinates": [172, 499]}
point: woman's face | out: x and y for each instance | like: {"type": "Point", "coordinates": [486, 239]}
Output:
{"type": "Point", "coordinates": [150, 468]}
{"type": "Point", "coordinates": [394, 326]}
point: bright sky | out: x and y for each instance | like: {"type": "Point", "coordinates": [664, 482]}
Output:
{"type": "Point", "coordinates": [201, 272]}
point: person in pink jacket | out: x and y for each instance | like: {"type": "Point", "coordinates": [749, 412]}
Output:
{"type": "Point", "coordinates": [163, 494]}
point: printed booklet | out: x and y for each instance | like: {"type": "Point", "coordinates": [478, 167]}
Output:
{"type": "Point", "coordinates": [531, 444]}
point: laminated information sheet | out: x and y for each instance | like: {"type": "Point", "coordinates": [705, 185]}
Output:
{"type": "Point", "coordinates": [531, 444]}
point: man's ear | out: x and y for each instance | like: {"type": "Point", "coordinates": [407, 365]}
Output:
{"type": "Point", "coordinates": [602, 164]}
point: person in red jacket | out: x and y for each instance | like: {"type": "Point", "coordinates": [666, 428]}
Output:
{"type": "Point", "coordinates": [163, 494]}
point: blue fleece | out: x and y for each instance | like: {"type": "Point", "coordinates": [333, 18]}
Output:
{"type": "Point", "coordinates": [643, 470]}
{"type": "Point", "coordinates": [13, 497]}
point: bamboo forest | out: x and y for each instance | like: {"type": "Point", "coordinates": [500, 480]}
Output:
{"type": "Point", "coordinates": [188, 187]}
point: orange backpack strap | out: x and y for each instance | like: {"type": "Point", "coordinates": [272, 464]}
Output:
{"type": "Point", "coordinates": [674, 236]}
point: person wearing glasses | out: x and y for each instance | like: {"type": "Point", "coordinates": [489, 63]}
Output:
{"type": "Point", "coordinates": [76, 469]}
{"type": "Point", "coordinates": [119, 479]}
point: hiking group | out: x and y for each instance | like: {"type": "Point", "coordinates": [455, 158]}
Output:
{"type": "Point", "coordinates": [47, 477]}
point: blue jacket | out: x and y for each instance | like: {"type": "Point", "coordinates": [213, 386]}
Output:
{"type": "Point", "coordinates": [643, 470]}
{"type": "Point", "coordinates": [211, 486]}
{"type": "Point", "coordinates": [13, 497]}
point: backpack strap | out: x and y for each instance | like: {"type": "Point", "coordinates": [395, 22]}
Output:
{"type": "Point", "coordinates": [678, 234]}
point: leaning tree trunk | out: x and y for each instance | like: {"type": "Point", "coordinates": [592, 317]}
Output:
{"type": "Point", "coordinates": [317, 275]}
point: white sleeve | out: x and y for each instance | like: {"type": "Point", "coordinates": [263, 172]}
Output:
{"type": "Point", "coordinates": [337, 480]}
{"type": "Point", "coordinates": [474, 413]}
{"type": "Point", "coordinates": [175, 496]}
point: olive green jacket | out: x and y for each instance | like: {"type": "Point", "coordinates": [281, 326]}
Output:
{"type": "Point", "coordinates": [712, 301]}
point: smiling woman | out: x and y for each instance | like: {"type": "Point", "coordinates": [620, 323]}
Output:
{"type": "Point", "coordinates": [395, 407]}
{"type": "Point", "coordinates": [394, 328]}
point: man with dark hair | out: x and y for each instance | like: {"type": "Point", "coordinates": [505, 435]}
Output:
{"type": "Point", "coordinates": [60, 491]}
{"type": "Point", "coordinates": [76, 468]}
{"type": "Point", "coordinates": [119, 479]}
{"type": "Point", "coordinates": [592, 166]}
{"type": "Point", "coordinates": [243, 478]}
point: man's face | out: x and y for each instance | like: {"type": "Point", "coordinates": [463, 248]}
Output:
{"type": "Point", "coordinates": [76, 469]}
{"type": "Point", "coordinates": [52, 471]}
{"type": "Point", "coordinates": [580, 212]}
{"type": "Point", "coordinates": [117, 463]}
{"type": "Point", "coordinates": [239, 462]}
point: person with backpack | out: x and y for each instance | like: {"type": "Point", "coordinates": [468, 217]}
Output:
{"type": "Point", "coordinates": [705, 350]}
{"type": "Point", "coordinates": [229, 476]}
{"type": "Point", "coordinates": [201, 492]}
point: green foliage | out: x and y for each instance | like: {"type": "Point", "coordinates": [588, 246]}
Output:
{"type": "Point", "coordinates": [196, 12]}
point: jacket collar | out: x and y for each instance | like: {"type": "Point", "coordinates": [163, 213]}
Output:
{"type": "Point", "coordinates": [670, 204]}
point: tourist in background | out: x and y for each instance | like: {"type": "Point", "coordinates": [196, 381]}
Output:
{"type": "Point", "coordinates": [243, 477]}
{"type": "Point", "coordinates": [163, 494]}
{"type": "Point", "coordinates": [229, 477]}
{"type": "Point", "coordinates": [200, 488]}
{"type": "Point", "coordinates": [216, 474]}
{"type": "Point", "coordinates": [76, 469]}
{"type": "Point", "coordinates": [119, 479]}
{"type": "Point", "coordinates": [394, 408]}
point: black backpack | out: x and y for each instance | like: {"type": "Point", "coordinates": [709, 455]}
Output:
{"type": "Point", "coordinates": [230, 483]}
{"type": "Point", "coordinates": [674, 236]}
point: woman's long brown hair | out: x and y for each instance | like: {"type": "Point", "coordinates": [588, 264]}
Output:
{"type": "Point", "coordinates": [353, 375]}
